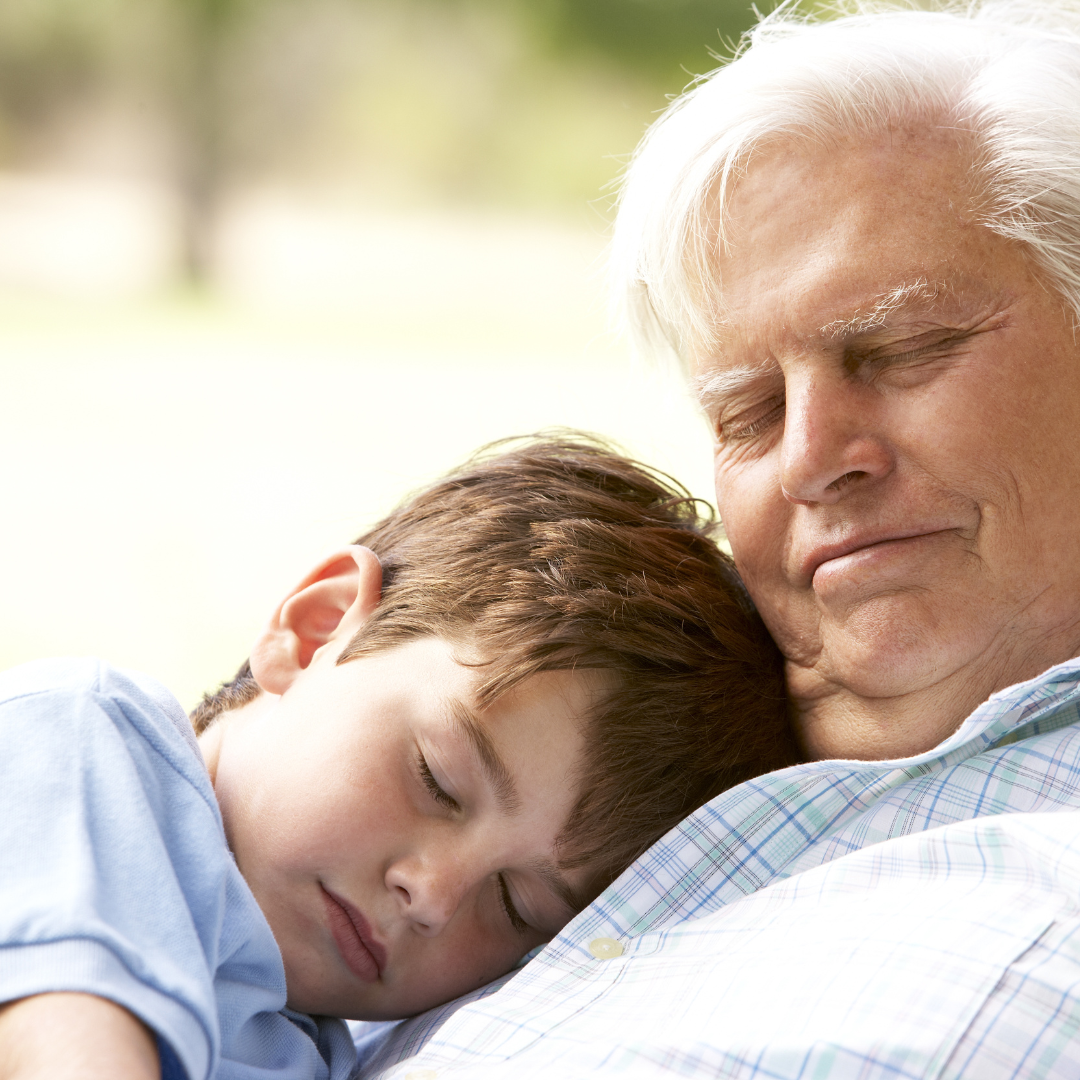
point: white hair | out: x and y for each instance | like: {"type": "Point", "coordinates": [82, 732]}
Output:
{"type": "Point", "coordinates": [1007, 71]}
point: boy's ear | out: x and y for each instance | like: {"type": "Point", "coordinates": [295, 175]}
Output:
{"type": "Point", "coordinates": [330, 604]}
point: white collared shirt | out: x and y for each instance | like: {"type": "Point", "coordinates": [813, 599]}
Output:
{"type": "Point", "coordinates": [910, 918]}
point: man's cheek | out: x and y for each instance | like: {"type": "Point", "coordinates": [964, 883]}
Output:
{"type": "Point", "coordinates": [756, 532]}
{"type": "Point", "coordinates": [793, 622]}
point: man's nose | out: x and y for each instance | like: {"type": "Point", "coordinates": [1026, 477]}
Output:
{"type": "Point", "coordinates": [830, 443]}
{"type": "Point", "coordinates": [428, 890]}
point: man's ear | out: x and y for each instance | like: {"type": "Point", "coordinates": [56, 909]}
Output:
{"type": "Point", "coordinates": [330, 604]}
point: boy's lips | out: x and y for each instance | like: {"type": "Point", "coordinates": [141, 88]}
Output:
{"type": "Point", "coordinates": [363, 955]}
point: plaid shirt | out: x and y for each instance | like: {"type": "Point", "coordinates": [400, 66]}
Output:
{"type": "Point", "coordinates": [738, 945]}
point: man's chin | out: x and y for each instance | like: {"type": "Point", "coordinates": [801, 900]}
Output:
{"type": "Point", "coordinates": [893, 645]}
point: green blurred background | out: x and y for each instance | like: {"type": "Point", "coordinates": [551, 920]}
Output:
{"type": "Point", "coordinates": [265, 265]}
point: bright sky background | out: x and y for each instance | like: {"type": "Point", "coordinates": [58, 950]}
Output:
{"type": "Point", "coordinates": [171, 465]}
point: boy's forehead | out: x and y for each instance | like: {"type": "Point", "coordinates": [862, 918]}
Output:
{"type": "Point", "coordinates": [539, 712]}
{"type": "Point", "coordinates": [536, 711]}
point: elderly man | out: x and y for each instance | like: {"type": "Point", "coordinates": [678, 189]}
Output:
{"type": "Point", "coordinates": [863, 239]}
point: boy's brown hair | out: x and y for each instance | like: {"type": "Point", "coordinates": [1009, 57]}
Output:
{"type": "Point", "coordinates": [557, 553]}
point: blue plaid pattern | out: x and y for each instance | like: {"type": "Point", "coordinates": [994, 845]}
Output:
{"type": "Point", "coordinates": [750, 951]}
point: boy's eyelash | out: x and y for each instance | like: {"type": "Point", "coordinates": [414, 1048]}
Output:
{"type": "Point", "coordinates": [436, 792]}
{"type": "Point", "coordinates": [516, 921]}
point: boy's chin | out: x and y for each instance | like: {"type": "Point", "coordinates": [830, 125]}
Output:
{"type": "Point", "coordinates": [370, 1009]}
{"type": "Point", "coordinates": [379, 1001]}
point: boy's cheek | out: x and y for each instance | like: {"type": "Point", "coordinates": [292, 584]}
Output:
{"type": "Point", "coordinates": [435, 971]}
{"type": "Point", "coordinates": [422, 973]}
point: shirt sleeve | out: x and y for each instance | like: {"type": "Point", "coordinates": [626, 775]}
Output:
{"type": "Point", "coordinates": [111, 864]}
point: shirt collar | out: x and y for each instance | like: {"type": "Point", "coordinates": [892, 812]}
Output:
{"type": "Point", "coordinates": [744, 838]}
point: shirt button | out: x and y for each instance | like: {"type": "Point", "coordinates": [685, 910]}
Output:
{"type": "Point", "coordinates": [605, 948]}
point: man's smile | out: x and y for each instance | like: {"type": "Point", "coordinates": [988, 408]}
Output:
{"type": "Point", "coordinates": [827, 566]}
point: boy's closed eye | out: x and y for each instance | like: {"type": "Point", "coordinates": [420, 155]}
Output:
{"type": "Point", "coordinates": [434, 788]}
{"type": "Point", "coordinates": [482, 767]}
{"type": "Point", "coordinates": [516, 921]}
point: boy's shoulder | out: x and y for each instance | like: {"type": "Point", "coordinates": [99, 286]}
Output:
{"type": "Point", "coordinates": [142, 699]}
{"type": "Point", "coordinates": [116, 878]}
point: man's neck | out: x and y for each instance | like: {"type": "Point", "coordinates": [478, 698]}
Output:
{"type": "Point", "coordinates": [832, 721]}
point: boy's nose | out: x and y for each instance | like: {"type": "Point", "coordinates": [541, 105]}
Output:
{"type": "Point", "coordinates": [428, 894]}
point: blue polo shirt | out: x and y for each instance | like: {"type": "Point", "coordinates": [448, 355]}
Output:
{"type": "Point", "coordinates": [116, 879]}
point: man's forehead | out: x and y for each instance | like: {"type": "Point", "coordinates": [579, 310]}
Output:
{"type": "Point", "coordinates": [840, 238]}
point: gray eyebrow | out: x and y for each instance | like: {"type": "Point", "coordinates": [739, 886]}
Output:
{"type": "Point", "coordinates": [718, 386]}
{"type": "Point", "coordinates": [863, 321]}
{"type": "Point", "coordinates": [495, 769]}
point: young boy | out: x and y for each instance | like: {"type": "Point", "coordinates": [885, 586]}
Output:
{"type": "Point", "coordinates": [450, 737]}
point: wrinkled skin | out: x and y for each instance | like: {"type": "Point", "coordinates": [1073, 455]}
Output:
{"type": "Point", "coordinates": [896, 399]}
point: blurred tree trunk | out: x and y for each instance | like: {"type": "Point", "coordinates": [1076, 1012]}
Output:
{"type": "Point", "coordinates": [658, 39]}
{"type": "Point", "coordinates": [207, 26]}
